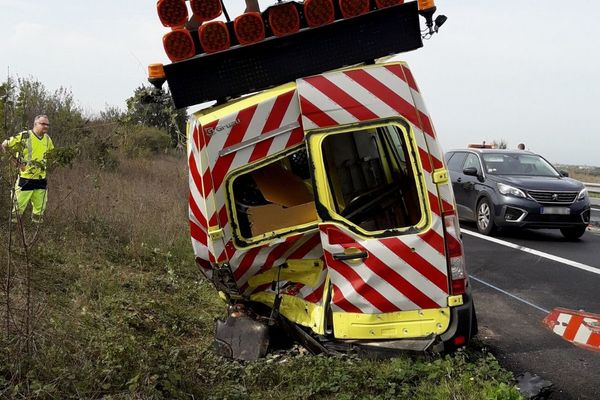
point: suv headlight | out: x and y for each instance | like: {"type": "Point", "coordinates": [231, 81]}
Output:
{"type": "Point", "coordinates": [510, 190]}
{"type": "Point", "coordinates": [583, 194]}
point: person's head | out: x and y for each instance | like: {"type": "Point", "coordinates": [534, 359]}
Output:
{"type": "Point", "coordinates": [521, 146]}
{"type": "Point", "coordinates": [41, 124]}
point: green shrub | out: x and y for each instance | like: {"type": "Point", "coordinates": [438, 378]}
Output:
{"type": "Point", "coordinates": [142, 141]}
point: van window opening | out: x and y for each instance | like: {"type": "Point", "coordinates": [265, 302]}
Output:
{"type": "Point", "coordinates": [278, 195]}
{"type": "Point", "coordinates": [372, 184]}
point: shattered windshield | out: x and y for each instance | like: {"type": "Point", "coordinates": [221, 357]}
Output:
{"type": "Point", "coordinates": [518, 164]}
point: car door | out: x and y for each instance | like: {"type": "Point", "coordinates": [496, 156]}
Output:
{"type": "Point", "coordinates": [455, 166]}
{"type": "Point", "coordinates": [469, 185]}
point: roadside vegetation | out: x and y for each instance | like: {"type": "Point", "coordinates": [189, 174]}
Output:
{"type": "Point", "coordinates": [107, 302]}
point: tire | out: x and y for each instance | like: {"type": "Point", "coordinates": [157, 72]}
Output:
{"type": "Point", "coordinates": [573, 233]}
{"type": "Point", "coordinates": [485, 217]}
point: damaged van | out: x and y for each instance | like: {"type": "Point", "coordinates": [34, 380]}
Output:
{"type": "Point", "coordinates": [320, 206]}
{"type": "Point", "coordinates": [326, 201]}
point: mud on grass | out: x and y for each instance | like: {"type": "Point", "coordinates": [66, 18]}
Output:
{"type": "Point", "coordinates": [121, 312]}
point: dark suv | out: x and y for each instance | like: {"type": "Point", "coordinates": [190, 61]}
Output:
{"type": "Point", "coordinates": [497, 188]}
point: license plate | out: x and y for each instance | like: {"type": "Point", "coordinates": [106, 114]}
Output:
{"type": "Point", "coordinates": [556, 210]}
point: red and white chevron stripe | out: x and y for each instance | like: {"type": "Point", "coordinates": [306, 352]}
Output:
{"type": "Point", "coordinates": [578, 327]}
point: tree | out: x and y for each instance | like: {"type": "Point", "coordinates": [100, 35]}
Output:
{"type": "Point", "coordinates": [151, 107]}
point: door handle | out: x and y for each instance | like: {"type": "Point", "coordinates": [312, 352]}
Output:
{"type": "Point", "coordinates": [459, 180]}
{"type": "Point", "coordinates": [351, 253]}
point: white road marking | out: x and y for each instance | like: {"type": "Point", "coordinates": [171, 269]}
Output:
{"type": "Point", "coordinates": [595, 209]}
{"type": "Point", "coordinates": [538, 253]}
{"type": "Point", "coordinates": [509, 294]}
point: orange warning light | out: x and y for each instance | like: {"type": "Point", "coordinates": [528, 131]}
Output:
{"type": "Point", "coordinates": [284, 19]}
{"type": "Point", "coordinates": [426, 4]}
{"type": "Point", "coordinates": [214, 36]}
{"type": "Point", "coordinates": [387, 3]}
{"type": "Point", "coordinates": [179, 45]}
{"type": "Point", "coordinates": [172, 13]}
{"type": "Point", "coordinates": [249, 28]}
{"type": "Point", "coordinates": [205, 10]}
{"type": "Point", "coordinates": [353, 8]}
{"type": "Point", "coordinates": [156, 71]}
{"type": "Point", "coordinates": [318, 12]}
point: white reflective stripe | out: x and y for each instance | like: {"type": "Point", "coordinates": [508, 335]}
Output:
{"type": "Point", "coordinates": [563, 322]}
{"type": "Point", "coordinates": [583, 333]}
{"type": "Point", "coordinates": [325, 104]}
{"type": "Point", "coordinates": [350, 294]}
{"type": "Point", "coordinates": [407, 271]}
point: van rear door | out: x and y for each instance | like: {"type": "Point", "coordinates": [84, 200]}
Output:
{"type": "Point", "coordinates": [383, 247]}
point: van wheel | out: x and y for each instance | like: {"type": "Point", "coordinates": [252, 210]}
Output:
{"type": "Point", "coordinates": [573, 233]}
{"type": "Point", "coordinates": [485, 217]}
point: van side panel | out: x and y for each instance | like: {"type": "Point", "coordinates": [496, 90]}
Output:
{"type": "Point", "coordinates": [224, 141]}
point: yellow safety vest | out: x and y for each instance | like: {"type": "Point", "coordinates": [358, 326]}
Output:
{"type": "Point", "coordinates": [32, 153]}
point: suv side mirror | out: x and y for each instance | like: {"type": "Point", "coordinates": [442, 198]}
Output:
{"type": "Point", "coordinates": [564, 173]}
{"type": "Point", "coordinates": [471, 171]}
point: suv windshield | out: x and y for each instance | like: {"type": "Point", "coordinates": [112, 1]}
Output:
{"type": "Point", "coordinates": [517, 164]}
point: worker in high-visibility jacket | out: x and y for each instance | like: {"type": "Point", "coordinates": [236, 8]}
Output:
{"type": "Point", "coordinates": [30, 149]}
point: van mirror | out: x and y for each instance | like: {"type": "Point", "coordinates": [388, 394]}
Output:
{"type": "Point", "coordinates": [564, 173]}
{"type": "Point", "coordinates": [471, 171]}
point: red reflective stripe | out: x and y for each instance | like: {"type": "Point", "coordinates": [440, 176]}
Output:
{"type": "Point", "coordinates": [306, 247]}
{"type": "Point", "coordinates": [213, 220]}
{"type": "Point", "coordinates": [376, 299]}
{"type": "Point", "coordinates": [196, 211]}
{"type": "Point", "coordinates": [435, 203]}
{"type": "Point", "coordinates": [426, 124]}
{"type": "Point", "coordinates": [246, 263]}
{"type": "Point", "coordinates": [573, 327]}
{"type": "Point", "coordinates": [343, 99]}
{"type": "Point", "coordinates": [195, 173]}
{"type": "Point", "coordinates": [424, 156]}
{"type": "Point", "coordinates": [437, 164]}
{"type": "Point", "coordinates": [207, 186]}
{"type": "Point", "coordinates": [399, 283]}
{"type": "Point", "coordinates": [197, 233]}
{"type": "Point", "coordinates": [204, 137]}
{"type": "Point", "coordinates": [594, 340]}
{"type": "Point", "coordinates": [417, 262]}
{"type": "Point", "coordinates": [223, 217]}
{"type": "Point", "coordinates": [340, 301]}
{"type": "Point", "coordinates": [408, 76]}
{"type": "Point", "coordinates": [273, 122]}
{"type": "Point", "coordinates": [296, 137]}
{"type": "Point", "coordinates": [434, 240]}
{"type": "Point", "coordinates": [312, 112]}
{"type": "Point", "coordinates": [196, 137]}
{"type": "Point", "coordinates": [316, 295]}
{"type": "Point", "coordinates": [385, 94]}
{"type": "Point", "coordinates": [236, 135]}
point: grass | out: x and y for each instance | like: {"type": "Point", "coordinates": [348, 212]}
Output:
{"type": "Point", "coordinates": [121, 312]}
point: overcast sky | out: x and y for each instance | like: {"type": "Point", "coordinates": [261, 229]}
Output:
{"type": "Point", "coordinates": [522, 71]}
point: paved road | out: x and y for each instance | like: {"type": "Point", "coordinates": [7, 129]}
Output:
{"type": "Point", "coordinates": [513, 328]}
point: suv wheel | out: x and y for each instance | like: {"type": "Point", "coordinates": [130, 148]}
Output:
{"type": "Point", "coordinates": [485, 217]}
{"type": "Point", "coordinates": [573, 233]}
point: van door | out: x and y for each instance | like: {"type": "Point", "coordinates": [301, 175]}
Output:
{"type": "Point", "coordinates": [387, 280]}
